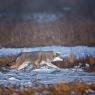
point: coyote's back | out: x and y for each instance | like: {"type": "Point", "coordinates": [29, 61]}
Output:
{"type": "Point", "coordinates": [34, 58]}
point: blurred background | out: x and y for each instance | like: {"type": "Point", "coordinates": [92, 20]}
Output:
{"type": "Point", "coordinates": [29, 23]}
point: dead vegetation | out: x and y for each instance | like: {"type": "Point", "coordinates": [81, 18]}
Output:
{"type": "Point", "coordinates": [68, 62]}
{"type": "Point", "coordinates": [73, 88]}
{"type": "Point", "coordinates": [87, 63]}
{"type": "Point", "coordinates": [6, 61]}
{"type": "Point", "coordinates": [82, 62]}
{"type": "Point", "coordinates": [66, 31]}
{"type": "Point", "coordinates": [89, 60]}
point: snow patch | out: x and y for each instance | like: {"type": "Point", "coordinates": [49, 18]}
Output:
{"type": "Point", "coordinates": [45, 69]}
{"type": "Point", "coordinates": [57, 59]}
{"type": "Point", "coordinates": [23, 65]}
{"type": "Point", "coordinates": [46, 74]}
{"type": "Point", "coordinates": [12, 79]}
{"type": "Point", "coordinates": [79, 51]}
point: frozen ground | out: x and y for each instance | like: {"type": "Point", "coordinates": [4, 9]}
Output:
{"type": "Point", "coordinates": [79, 51]}
{"type": "Point", "coordinates": [45, 75]}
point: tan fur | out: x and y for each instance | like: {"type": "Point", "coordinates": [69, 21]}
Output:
{"type": "Point", "coordinates": [34, 58]}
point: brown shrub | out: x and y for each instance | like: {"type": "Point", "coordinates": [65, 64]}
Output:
{"type": "Point", "coordinates": [80, 88]}
{"type": "Point", "coordinates": [69, 30]}
{"type": "Point", "coordinates": [56, 89]}
{"type": "Point", "coordinates": [67, 62]}
{"type": "Point", "coordinates": [7, 60]}
{"type": "Point", "coordinates": [91, 60]}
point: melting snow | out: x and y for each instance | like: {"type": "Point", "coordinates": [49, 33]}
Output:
{"type": "Point", "coordinates": [58, 59]}
{"type": "Point", "coordinates": [45, 75]}
{"type": "Point", "coordinates": [25, 64]}
{"type": "Point", "coordinates": [79, 51]}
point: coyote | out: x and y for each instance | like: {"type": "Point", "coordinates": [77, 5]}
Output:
{"type": "Point", "coordinates": [36, 58]}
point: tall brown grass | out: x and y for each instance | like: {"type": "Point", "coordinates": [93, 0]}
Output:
{"type": "Point", "coordinates": [7, 60]}
{"type": "Point", "coordinates": [76, 88]}
{"type": "Point", "coordinates": [68, 30]}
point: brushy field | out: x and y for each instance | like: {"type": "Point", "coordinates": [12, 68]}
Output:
{"type": "Point", "coordinates": [68, 62]}
{"type": "Point", "coordinates": [68, 31]}
{"type": "Point", "coordinates": [73, 88]}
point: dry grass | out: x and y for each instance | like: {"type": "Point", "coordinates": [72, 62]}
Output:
{"type": "Point", "coordinates": [57, 89]}
{"type": "Point", "coordinates": [72, 88]}
{"type": "Point", "coordinates": [7, 60]}
{"type": "Point", "coordinates": [68, 62]}
{"type": "Point", "coordinates": [72, 61]}
{"type": "Point", "coordinates": [68, 30]}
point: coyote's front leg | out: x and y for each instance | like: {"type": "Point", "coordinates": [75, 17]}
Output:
{"type": "Point", "coordinates": [49, 64]}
